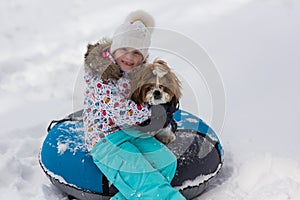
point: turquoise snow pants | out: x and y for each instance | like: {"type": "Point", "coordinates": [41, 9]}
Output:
{"type": "Point", "coordinates": [138, 165]}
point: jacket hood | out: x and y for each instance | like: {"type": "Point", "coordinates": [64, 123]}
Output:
{"type": "Point", "coordinates": [97, 62]}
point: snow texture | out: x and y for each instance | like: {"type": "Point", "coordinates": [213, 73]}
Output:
{"type": "Point", "coordinates": [198, 180]}
{"type": "Point", "coordinates": [255, 45]}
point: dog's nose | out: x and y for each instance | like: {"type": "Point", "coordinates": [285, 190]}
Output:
{"type": "Point", "coordinates": [157, 94]}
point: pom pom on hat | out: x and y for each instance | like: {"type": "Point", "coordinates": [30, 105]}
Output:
{"type": "Point", "coordinates": [135, 32]}
{"type": "Point", "coordinates": [142, 16]}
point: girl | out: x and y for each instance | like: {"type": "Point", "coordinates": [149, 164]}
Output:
{"type": "Point", "coordinates": [138, 165]}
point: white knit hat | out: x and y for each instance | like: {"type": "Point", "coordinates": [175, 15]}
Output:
{"type": "Point", "coordinates": [135, 32]}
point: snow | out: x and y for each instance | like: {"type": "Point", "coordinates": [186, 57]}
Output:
{"type": "Point", "coordinates": [61, 148]}
{"type": "Point", "coordinates": [263, 176]}
{"type": "Point", "coordinates": [55, 176]}
{"type": "Point", "coordinates": [254, 44]}
{"type": "Point", "coordinates": [192, 120]}
{"type": "Point", "coordinates": [198, 180]}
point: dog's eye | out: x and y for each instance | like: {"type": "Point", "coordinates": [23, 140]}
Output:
{"type": "Point", "coordinates": [162, 87]}
{"type": "Point", "coordinates": [148, 88]}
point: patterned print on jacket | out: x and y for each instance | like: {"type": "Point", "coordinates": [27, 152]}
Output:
{"type": "Point", "coordinates": [107, 108]}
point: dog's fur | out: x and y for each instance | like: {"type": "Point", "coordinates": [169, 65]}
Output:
{"type": "Point", "coordinates": [142, 82]}
{"type": "Point", "coordinates": [154, 89]}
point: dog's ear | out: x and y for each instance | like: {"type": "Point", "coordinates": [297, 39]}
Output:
{"type": "Point", "coordinates": [136, 96]}
{"type": "Point", "coordinates": [175, 86]}
{"type": "Point", "coordinates": [175, 102]}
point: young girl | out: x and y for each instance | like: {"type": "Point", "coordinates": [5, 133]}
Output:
{"type": "Point", "coordinates": [137, 164]}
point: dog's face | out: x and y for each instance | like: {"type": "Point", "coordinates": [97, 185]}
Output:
{"type": "Point", "coordinates": [156, 84]}
{"type": "Point", "coordinates": [153, 94]}
{"type": "Point", "coordinates": [157, 95]}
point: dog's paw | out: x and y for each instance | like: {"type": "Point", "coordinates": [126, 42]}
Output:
{"type": "Point", "coordinates": [165, 136]}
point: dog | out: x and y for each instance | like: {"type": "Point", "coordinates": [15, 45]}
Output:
{"type": "Point", "coordinates": [156, 84]}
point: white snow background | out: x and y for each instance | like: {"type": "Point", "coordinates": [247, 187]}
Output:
{"type": "Point", "coordinates": [255, 45]}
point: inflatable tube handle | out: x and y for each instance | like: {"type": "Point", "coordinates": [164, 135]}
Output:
{"type": "Point", "coordinates": [105, 186]}
{"type": "Point", "coordinates": [54, 122]}
{"type": "Point", "coordinates": [77, 116]}
{"type": "Point", "coordinates": [173, 125]}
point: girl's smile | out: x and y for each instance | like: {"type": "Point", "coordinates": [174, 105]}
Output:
{"type": "Point", "coordinates": [128, 58]}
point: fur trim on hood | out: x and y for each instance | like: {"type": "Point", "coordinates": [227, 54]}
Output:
{"type": "Point", "coordinates": [96, 63]}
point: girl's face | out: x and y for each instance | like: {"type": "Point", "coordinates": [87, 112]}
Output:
{"type": "Point", "coordinates": [128, 58]}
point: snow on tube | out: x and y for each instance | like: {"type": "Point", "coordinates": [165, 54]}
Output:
{"type": "Point", "coordinates": [69, 166]}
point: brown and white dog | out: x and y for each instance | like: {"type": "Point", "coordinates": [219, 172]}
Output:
{"type": "Point", "coordinates": [156, 84]}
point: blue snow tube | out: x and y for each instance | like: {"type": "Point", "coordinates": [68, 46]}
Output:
{"type": "Point", "coordinates": [66, 161]}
